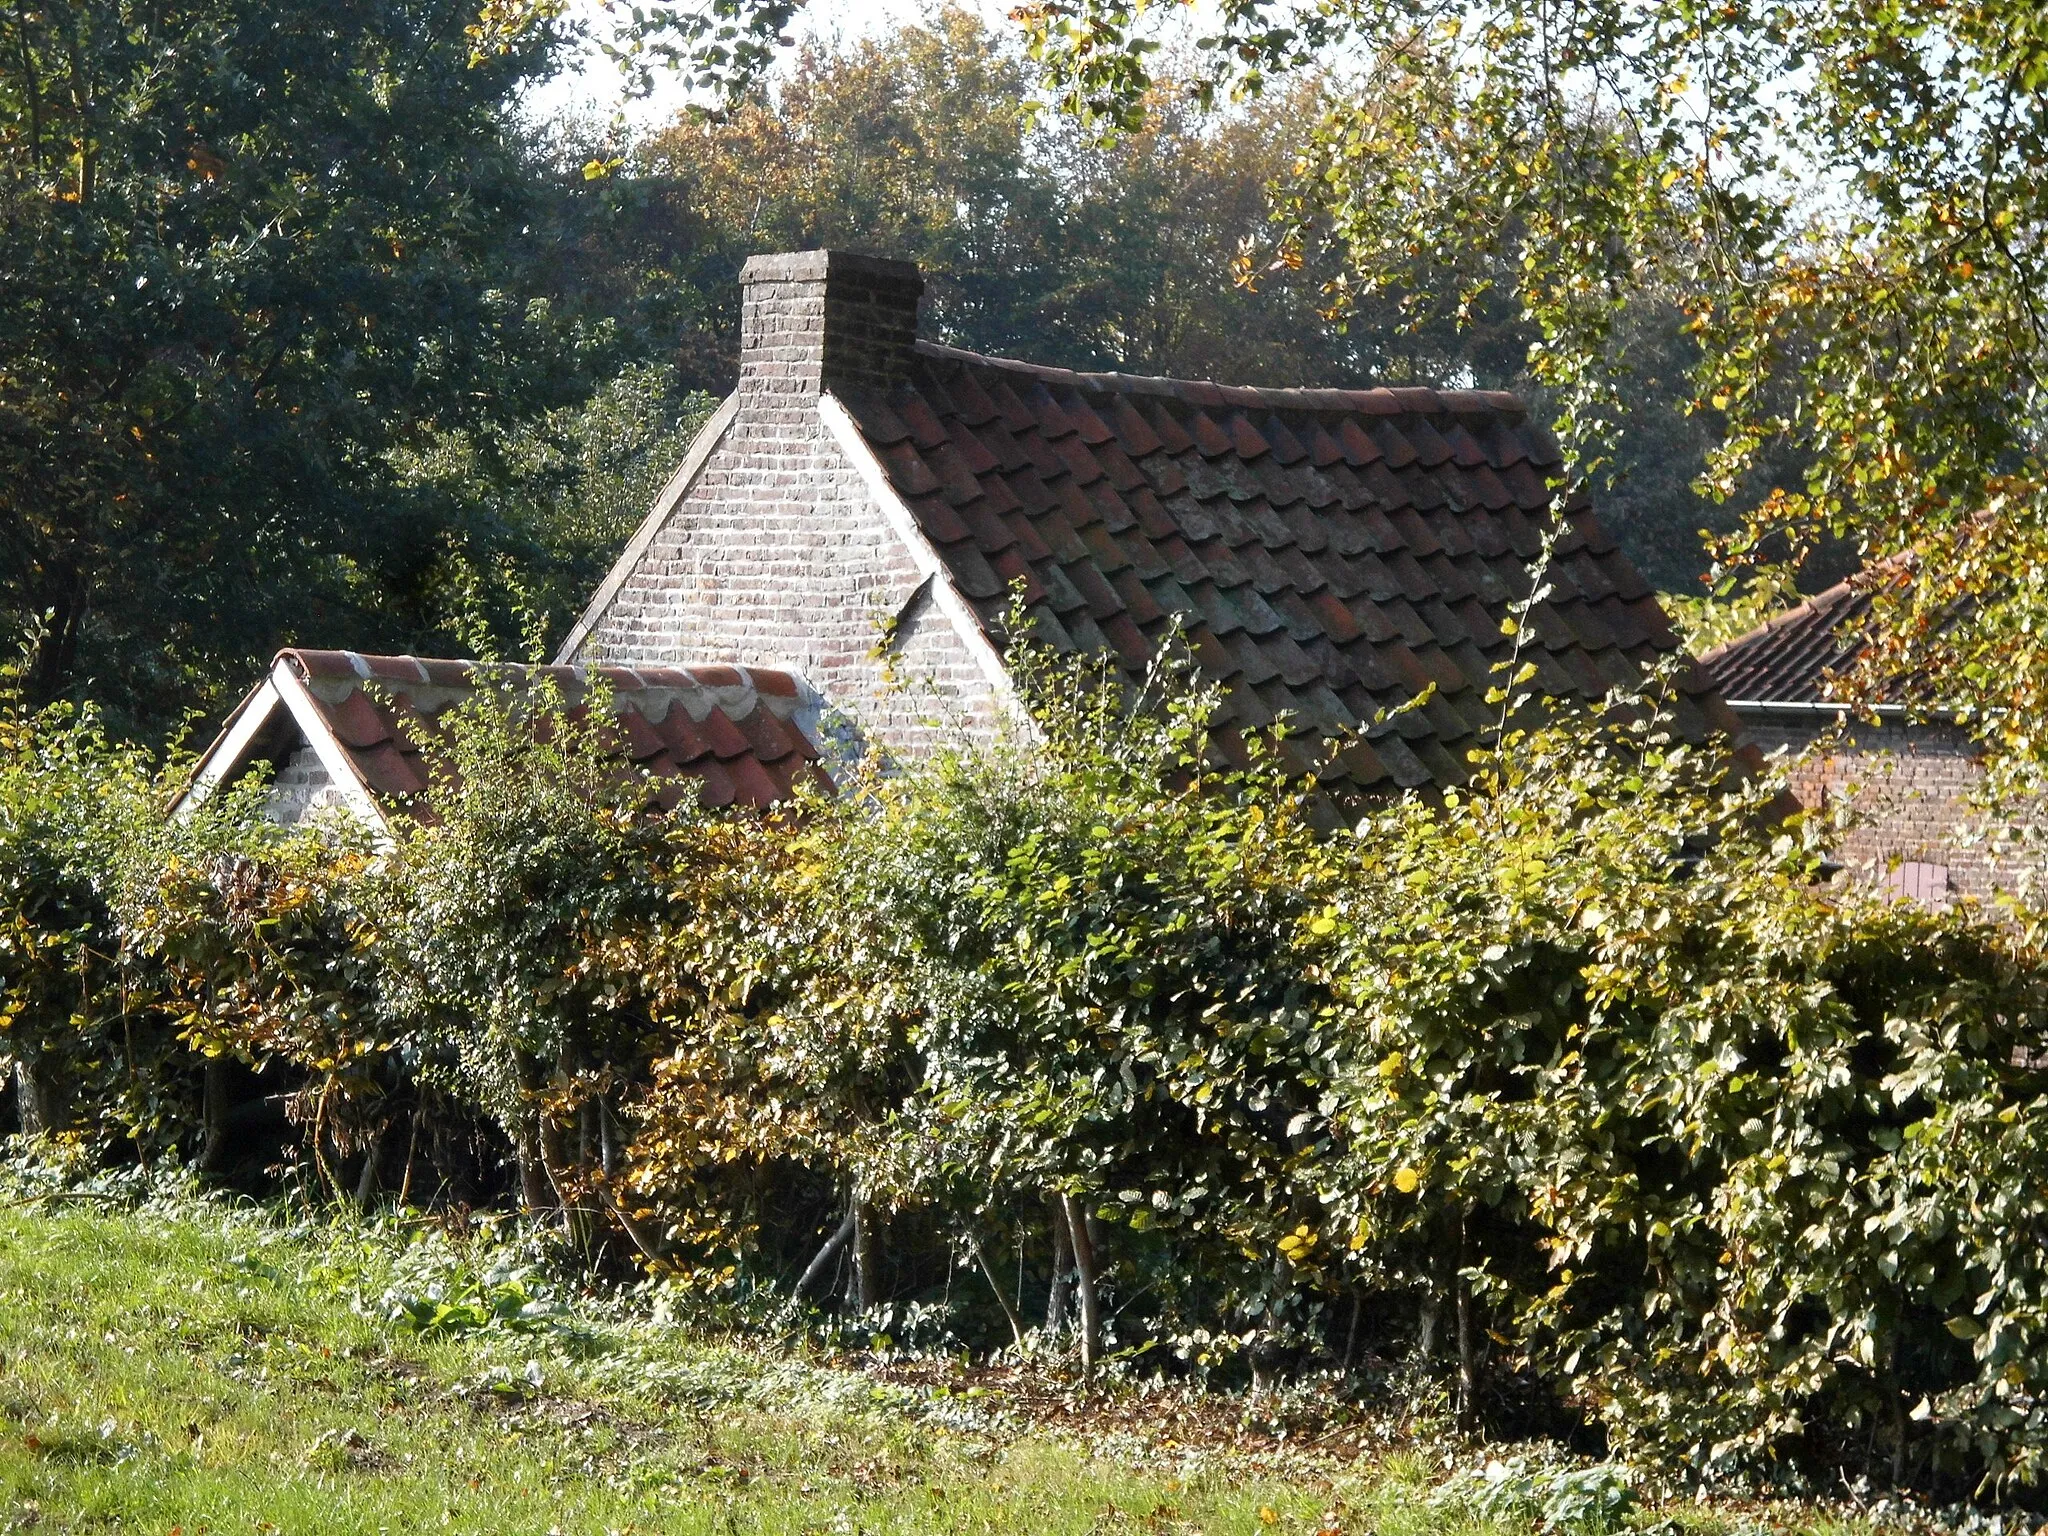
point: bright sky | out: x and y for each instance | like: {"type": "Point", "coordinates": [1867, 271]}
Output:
{"type": "Point", "coordinates": [594, 89]}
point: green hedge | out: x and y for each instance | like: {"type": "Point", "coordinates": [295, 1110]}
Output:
{"type": "Point", "coordinates": [1580, 1090]}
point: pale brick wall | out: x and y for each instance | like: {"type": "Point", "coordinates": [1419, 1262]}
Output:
{"type": "Point", "coordinates": [1910, 784]}
{"type": "Point", "coordinates": [301, 788]}
{"type": "Point", "coordinates": [778, 556]}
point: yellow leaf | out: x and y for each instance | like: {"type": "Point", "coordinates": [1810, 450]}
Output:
{"type": "Point", "coordinates": [1407, 1180]}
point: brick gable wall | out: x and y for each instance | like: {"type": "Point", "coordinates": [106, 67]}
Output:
{"type": "Point", "coordinates": [1911, 784]}
{"type": "Point", "coordinates": [778, 554]}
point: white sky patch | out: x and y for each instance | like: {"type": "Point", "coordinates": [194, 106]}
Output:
{"type": "Point", "coordinates": [593, 90]}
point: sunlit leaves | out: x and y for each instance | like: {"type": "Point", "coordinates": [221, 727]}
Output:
{"type": "Point", "coordinates": [1734, 1161]}
{"type": "Point", "coordinates": [1846, 201]}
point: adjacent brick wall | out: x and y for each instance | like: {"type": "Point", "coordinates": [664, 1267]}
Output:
{"type": "Point", "coordinates": [1911, 785]}
{"type": "Point", "coordinates": [778, 556]}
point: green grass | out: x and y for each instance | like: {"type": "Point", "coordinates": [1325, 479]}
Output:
{"type": "Point", "coordinates": [188, 1369]}
{"type": "Point", "coordinates": [203, 1371]}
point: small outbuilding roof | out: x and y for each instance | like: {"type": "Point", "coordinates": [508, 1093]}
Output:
{"type": "Point", "coordinates": [742, 735]}
{"type": "Point", "coordinates": [1793, 661]}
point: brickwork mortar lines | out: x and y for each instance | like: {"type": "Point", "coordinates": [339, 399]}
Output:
{"type": "Point", "coordinates": [1910, 785]}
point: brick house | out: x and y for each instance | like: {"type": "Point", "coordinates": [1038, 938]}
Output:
{"type": "Point", "coordinates": [863, 507]}
{"type": "Point", "coordinates": [1908, 777]}
{"type": "Point", "coordinates": [837, 557]}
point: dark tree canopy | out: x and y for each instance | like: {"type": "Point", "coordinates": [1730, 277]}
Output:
{"type": "Point", "coordinates": [307, 336]}
{"type": "Point", "coordinates": [247, 250]}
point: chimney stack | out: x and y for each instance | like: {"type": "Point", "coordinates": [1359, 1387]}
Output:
{"type": "Point", "coordinates": [812, 321]}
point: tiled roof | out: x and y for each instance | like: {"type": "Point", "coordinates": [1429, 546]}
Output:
{"type": "Point", "coordinates": [1329, 553]}
{"type": "Point", "coordinates": [1795, 657]}
{"type": "Point", "coordinates": [735, 730]}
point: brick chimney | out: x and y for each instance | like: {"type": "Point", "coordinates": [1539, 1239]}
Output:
{"type": "Point", "coordinates": [825, 320]}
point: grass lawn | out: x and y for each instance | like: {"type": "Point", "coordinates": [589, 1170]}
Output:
{"type": "Point", "coordinates": [184, 1369]}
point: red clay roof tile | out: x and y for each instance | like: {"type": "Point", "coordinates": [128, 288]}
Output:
{"type": "Point", "coordinates": [387, 715]}
{"type": "Point", "coordinates": [388, 771]}
{"type": "Point", "coordinates": [923, 427]}
{"type": "Point", "coordinates": [719, 789]}
{"type": "Point", "coordinates": [356, 722]}
{"type": "Point", "coordinates": [1245, 438]}
{"type": "Point", "coordinates": [1133, 431]}
{"type": "Point", "coordinates": [1796, 657]}
{"type": "Point", "coordinates": [1211, 441]}
{"type": "Point", "coordinates": [1292, 530]}
{"type": "Point", "coordinates": [940, 521]}
{"type": "Point", "coordinates": [1093, 429]}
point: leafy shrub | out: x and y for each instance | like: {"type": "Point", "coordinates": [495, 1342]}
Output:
{"type": "Point", "coordinates": [504, 1302]}
{"type": "Point", "coordinates": [1560, 1500]}
{"type": "Point", "coordinates": [1746, 1164]}
{"type": "Point", "coordinates": [490, 923]}
{"type": "Point", "coordinates": [76, 1033]}
{"type": "Point", "coordinates": [1578, 1089]}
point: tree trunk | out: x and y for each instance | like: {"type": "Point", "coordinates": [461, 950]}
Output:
{"type": "Point", "coordinates": [31, 1098]}
{"type": "Point", "coordinates": [996, 1285]}
{"type": "Point", "coordinates": [1425, 1329]}
{"type": "Point", "coordinates": [213, 1115]}
{"type": "Point", "coordinates": [536, 1194]}
{"type": "Point", "coordinates": [1084, 1283]}
{"type": "Point", "coordinates": [576, 1217]}
{"type": "Point", "coordinates": [412, 1146]}
{"type": "Point", "coordinates": [1062, 1273]}
{"type": "Point", "coordinates": [867, 1279]}
{"type": "Point", "coordinates": [647, 1242]}
{"type": "Point", "coordinates": [841, 1236]}
{"type": "Point", "coordinates": [330, 1182]}
{"type": "Point", "coordinates": [529, 1146]}
{"type": "Point", "coordinates": [366, 1184]}
{"type": "Point", "coordinates": [607, 1140]}
{"type": "Point", "coordinates": [1902, 1424]}
{"type": "Point", "coordinates": [56, 645]}
{"type": "Point", "coordinates": [1468, 1344]}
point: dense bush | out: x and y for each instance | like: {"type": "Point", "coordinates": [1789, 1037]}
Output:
{"type": "Point", "coordinates": [1581, 1086]}
{"type": "Point", "coordinates": [1744, 1164]}
{"type": "Point", "coordinates": [85, 1052]}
